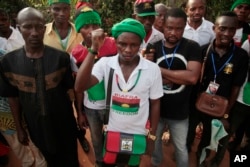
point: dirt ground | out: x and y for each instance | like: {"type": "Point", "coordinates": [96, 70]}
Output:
{"type": "Point", "coordinates": [87, 160]}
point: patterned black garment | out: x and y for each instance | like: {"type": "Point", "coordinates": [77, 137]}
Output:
{"type": "Point", "coordinates": [41, 85]}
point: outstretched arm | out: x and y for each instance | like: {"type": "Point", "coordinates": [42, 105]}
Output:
{"type": "Point", "coordinates": [84, 78]}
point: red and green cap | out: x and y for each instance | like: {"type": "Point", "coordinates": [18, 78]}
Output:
{"type": "Point", "coordinates": [58, 1]}
{"type": "Point", "coordinates": [86, 15]}
{"type": "Point", "coordinates": [144, 8]}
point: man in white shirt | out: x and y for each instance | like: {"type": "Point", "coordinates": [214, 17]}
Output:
{"type": "Point", "coordinates": [132, 101]}
{"type": "Point", "coordinates": [10, 38]}
{"type": "Point", "coordinates": [198, 28]}
{"type": "Point", "coordinates": [201, 31]}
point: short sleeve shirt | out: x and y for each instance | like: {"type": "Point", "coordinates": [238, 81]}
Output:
{"type": "Point", "coordinates": [130, 110]}
{"type": "Point", "coordinates": [175, 102]}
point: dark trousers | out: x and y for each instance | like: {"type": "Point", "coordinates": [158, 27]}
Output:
{"type": "Point", "coordinates": [194, 120]}
{"type": "Point", "coordinates": [240, 122]}
{"type": "Point", "coordinates": [81, 134]}
{"type": "Point", "coordinates": [206, 137]}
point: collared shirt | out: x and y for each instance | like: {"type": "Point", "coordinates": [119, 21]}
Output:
{"type": "Point", "coordinates": [15, 41]}
{"type": "Point", "coordinates": [52, 39]}
{"type": "Point", "coordinates": [130, 109]}
{"type": "Point", "coordinates": [154, 37]}
{"type": "Point", "coordinates": [204, 34]}
{"type": "Point", "coordinates": [41, 85]}
{"type": "Point", "coordinates": [232, 74]}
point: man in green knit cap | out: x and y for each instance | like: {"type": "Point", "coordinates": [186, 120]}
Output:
{"type": "Point", "coordinates": [86, 21]}
{"type": "Point", "coordinates": [132, 101]}
{"type": "Point", "coordinates": [242, 9]}
{"type": "Point", "coordinates": [61, 33]}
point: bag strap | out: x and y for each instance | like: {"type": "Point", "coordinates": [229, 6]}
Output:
{"type": "Point", "coordinates": [248, 75]}
{"type": "Point", "coordinates": [108, 97]}
{"type": "Point", "coordinates": [248, 37]}
{"type": "Point", "coordinates": [204, 62]}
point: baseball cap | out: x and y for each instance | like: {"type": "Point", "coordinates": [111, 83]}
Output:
{"type": "Point", "coordinates": [144, 8]}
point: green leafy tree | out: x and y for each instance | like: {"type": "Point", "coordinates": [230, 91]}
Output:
{"type": "Point", "coordinates": [113, 11]}
{"type": "Point", "coordinates": [215, 7]}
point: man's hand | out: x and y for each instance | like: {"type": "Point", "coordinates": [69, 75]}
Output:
{"type": "Point", "coordinates": [225, 123]}
{"type": "Point", "coordinates": [148, 53]}
{"type": "Point", "coordinates": [22, 136]}
{"type": "Point", "coordinates": [97, 37]}
{"type": "Point", "coordinates": [82, 121]}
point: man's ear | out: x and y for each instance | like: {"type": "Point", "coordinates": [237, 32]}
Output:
{"type": "Point", "coordinates": [185, 10]}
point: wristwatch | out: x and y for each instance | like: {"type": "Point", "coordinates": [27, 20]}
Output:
{"type": "Point", "coordinates": [225, 116]}
{"type": "Point", "coordinates": [152, 137]}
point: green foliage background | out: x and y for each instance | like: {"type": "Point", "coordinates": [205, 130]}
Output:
{"type": "Point", "coordinates": [113, 11]}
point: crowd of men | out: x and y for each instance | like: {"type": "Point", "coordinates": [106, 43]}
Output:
{"type": "Point", "coordinates": [50, 70]}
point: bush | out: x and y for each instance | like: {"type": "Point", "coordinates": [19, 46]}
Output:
{"type": "Point", "coordinates": [113, 11]}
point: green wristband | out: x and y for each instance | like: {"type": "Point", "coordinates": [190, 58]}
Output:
{"type": "Point", "coordinates": [92, 51]}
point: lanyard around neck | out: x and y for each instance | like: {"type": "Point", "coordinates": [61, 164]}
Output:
{"type": "Point", "coordinates": [67, 39]}
{"type": "Point", "coordinates": [136, 81]}
{"type": "Point", "coordinates": [217, 72]}
{"type": "Point", "coordinates": [169, 64]}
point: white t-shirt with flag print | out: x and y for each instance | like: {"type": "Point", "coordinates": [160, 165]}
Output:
{"type": "Point", "coordinates": [130, 110]}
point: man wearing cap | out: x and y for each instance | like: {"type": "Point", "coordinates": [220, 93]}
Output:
{"type": "Point", "coordinates": [144, 12]}
{"type": "Point", "coordinates": [80, 3]}
{"type": "Point", "coordinates": [242, 10]}
{"type": "Point", "coordinates": [86, 21]}
{"type": "Point", "coordinates": [131, 72]}
{"type": "Point", "coordinates": [61, 33]}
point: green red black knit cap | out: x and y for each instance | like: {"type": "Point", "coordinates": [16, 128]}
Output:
{"type": "Point", "coordinates": [144, 8]}
{"type": "Point", "coordinates": [86, 16]}
{"type": "Point", "coordinates": [58, 1]}
{"type": "Point", "coordinates": [239, 2]}
{"type": "Point", "coordinates": [82, 3]}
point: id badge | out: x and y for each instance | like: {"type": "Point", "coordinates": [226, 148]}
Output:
{"type": "Point", "coordinates": [212, 88]}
